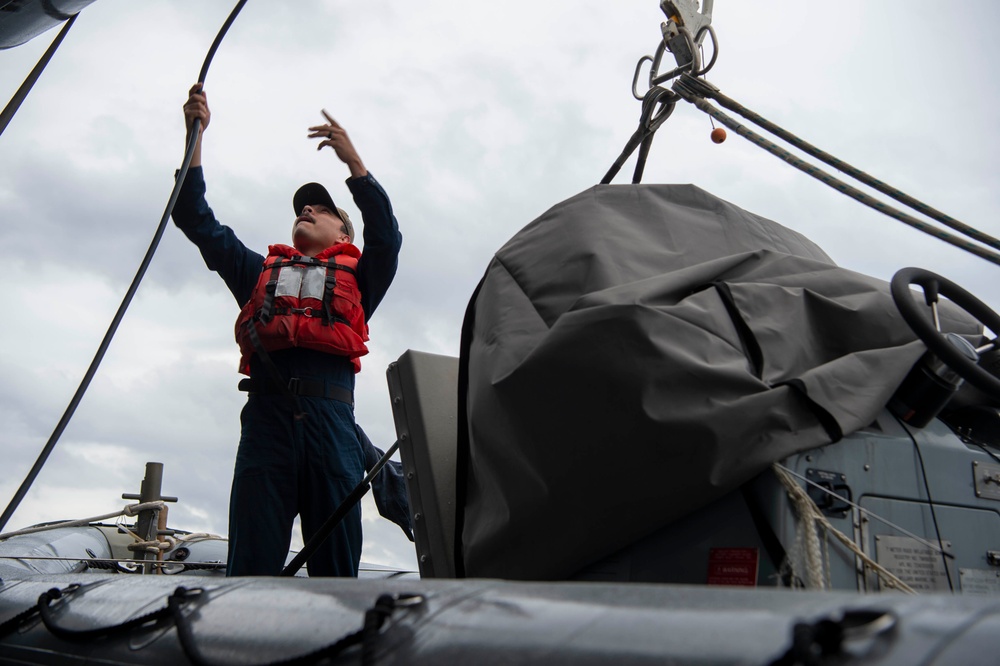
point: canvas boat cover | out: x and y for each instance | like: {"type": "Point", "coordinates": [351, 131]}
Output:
{"type": "Point", "coordinates": [637, 352]}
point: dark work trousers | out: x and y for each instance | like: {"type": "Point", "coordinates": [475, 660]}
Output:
{"type": "Point", "coordinates": [286, 467]}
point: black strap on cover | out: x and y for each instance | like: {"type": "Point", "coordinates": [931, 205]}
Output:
{"type": "Point", "coordinates": [751, 348]}
{"type": "Point", "coordinates": [180, 597]}
{"type": "Point", "coordinates": [374, 619]}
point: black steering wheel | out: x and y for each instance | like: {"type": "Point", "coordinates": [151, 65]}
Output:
{"type": "Point", "coordinates": [927, 331]}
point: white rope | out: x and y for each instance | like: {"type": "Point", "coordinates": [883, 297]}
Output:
{"type": "Point", "coordinates": [128, 510]}
{"type": "Point", "coordinates": [807, 542]}
{"type": "Point", "coordinates": [865, 512]}
{"type": "Point", "coordinates": [199, 536]}
{"type": "Point", "coordinates": [142, 544]}
{"type": "Point", "coordinates": [813, 517]}
{"type": "Point", "coordinates": [826, 557]}
{"type": "Point", "coordinates": [149, 546]}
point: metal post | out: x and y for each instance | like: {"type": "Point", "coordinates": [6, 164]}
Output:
{"type": "Point", "coordinates": [147, 523]}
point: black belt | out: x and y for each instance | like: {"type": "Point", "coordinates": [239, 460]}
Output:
{"type": "Point", "coordinates": [311, 388]}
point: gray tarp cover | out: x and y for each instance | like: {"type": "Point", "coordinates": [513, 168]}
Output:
{"type": "Point", "coordinates": [640, 350]}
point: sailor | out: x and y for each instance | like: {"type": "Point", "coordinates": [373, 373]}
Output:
{"type": "Point", "coordinates": [302, 331]}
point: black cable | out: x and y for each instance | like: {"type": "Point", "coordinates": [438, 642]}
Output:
{"type": "Point", "coordinates": [640, 160]}
{"type": "Point", "coordinates": [106, 342]}
{"type": "Point", "coordinates": [930, 502]}
{"type": "Point", "coordinates": [29, 82]}
{"type": "Point", "coordinates": [657, 105]}
{"type": "Point", "coordinates": [338, 515]}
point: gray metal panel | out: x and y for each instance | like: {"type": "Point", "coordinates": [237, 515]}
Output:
{"type": "Point", "coordinates": [423, 388]}
{"type": "Point", "coordinates": [681, 551]}
{"type": "Point", "coordinates": [881, 466]}
{"type": "Point", "coordinates": [968, 534]}
{"type": "Point", "coordinates": [987, 479]}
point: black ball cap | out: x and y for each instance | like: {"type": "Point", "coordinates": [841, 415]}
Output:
{"type": "Point", "coordinates": [311, 194]}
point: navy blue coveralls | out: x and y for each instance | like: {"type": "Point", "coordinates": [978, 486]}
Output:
{"type": "Point", "coordinates": [286, 466]}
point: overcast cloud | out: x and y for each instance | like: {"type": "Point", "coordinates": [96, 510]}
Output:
{"type": "Point", "coordinates": [476, 118]}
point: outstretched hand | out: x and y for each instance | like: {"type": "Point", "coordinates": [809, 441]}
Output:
{"type": "Point", "coordinates": [335, 137]}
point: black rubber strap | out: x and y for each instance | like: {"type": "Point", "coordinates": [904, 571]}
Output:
{"type": "Point", "coordinates": [180, 597]}
{"type": "Point", "coordinates": [340, 267]}
{"type": "Point", "coordinates": [312, 261]}
{"type": "Point", "coordinates": [331, 284]}
{"type": "Point", "coordinates": [269, 290]}
{"type": "Point", "coordinates": [308, 312]}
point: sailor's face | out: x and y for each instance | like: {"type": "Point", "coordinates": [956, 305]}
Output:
{"type": "Point", "coordinates": [317, 228]}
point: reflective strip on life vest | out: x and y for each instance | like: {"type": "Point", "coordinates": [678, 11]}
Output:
{"type": "Point", "coordinates": [301, 282]}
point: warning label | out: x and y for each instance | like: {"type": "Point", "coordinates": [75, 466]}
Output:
{"type": "Point", "coordinates": [918, 565]}
{"type": "Point", "coordinates": [733, 566]}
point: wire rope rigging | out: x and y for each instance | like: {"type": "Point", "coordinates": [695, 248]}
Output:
{"type": "Point", "coordinates": [683, 35]}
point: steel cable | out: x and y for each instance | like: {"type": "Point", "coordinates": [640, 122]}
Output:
{"type": "Point", "coordinates": [854, 172]}
{"type": "Point", "coordinates": [834, 182]}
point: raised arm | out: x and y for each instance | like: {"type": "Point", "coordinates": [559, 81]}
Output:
{"type": "Point", "coordinates": [377, 266]}
{"type": "Point", "coordinates": [222, 251]}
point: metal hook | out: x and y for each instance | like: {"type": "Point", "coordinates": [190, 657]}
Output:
{"type": "Point", "coordinates": [635, 77]}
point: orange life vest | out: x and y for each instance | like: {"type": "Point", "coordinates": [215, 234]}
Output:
{"type": "Point", "coordinates": [310, 302]}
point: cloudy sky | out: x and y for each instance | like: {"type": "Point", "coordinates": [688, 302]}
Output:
{"type": "Point", "coordinates": [476, 118]}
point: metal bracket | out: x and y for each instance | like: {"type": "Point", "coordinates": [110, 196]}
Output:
{"type": "Point", "coordinates": [684, 13]}
{"type": "Point", "coordinates": [684, 31]}
{"type": "Point", "coordinates": [986, 478]}
{"type": "Point", "coordinates": [837, 497]}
